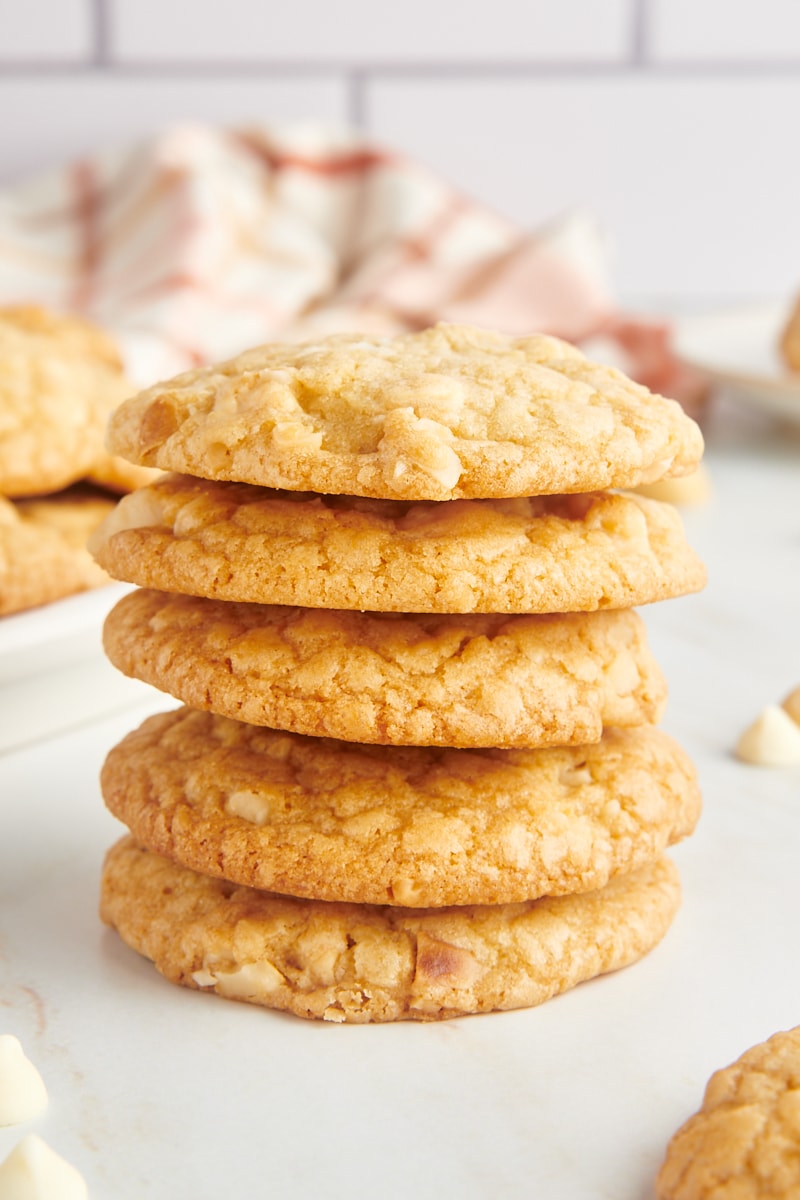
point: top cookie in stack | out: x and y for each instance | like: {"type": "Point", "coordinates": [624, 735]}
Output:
{"type": "Point", "coordinates": [447, 414]}
{"type": "Point", "coordinates": [397, 543]}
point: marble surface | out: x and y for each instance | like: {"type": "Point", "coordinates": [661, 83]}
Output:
{"type": "Point", "coordinates": [164, 1093]}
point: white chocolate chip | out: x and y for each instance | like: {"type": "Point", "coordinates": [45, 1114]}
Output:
{"type": "Point", "coordinates": [22, 1091]}
{"type": "Point", "coordinates": [204, 977]}
{"type": "Point", "coordinates": [33, 1171]}
{"type": "Point", "coordinates": [416, 442]}
{"type": "Point", "coordinates": [773, 740]}
{"type": "Point", "coordinates": [190, 517]}
{"type": "Point", "coordinates": [249, 981]}
{"type": "Point", "coordinates": [296, 436]}
{"type": "Point", "coordinates": [250, 806]}
{"type": "Point", "coordinates": [575, 776]}
{"type": "Point", "coordinates": [141, 509]}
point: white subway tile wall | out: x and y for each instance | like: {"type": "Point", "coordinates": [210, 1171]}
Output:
{"type": "Point", "coordinates": [42, 31]}
{"type": "Point", "coordinates": [726, 31]}
{"type": "Point", "coordinates": [366, 33]}
{"type": "Point", "coordinates": [76, 113]}
{"type": "Point", "coordinates": [681, 172]}
{"type": "Point", "coordinates": [673, 121]}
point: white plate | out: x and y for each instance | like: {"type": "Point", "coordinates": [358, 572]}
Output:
{"type": "Point", "coordinates": [57, 634]}
{"type": "Point", "coordinates": [738, 349]}
{"type": "Point", "coordinates": [53, 673]}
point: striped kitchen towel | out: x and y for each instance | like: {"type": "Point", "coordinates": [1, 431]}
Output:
{"type": "Point", "coordinates": [199, 242]}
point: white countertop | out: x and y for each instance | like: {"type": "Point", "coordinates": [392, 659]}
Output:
{"type": "Point", "coordinates": [156, 1091]}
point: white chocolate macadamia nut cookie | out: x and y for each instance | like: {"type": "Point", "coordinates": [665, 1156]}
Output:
{"type": "Point", "coordinates": [744, 1143]}
{"type": "Point", "coordinates": [449, 413]}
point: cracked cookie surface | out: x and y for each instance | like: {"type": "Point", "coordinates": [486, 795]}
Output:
{"type": "Point", "coordinates": [232, 541]}
{"type": "Point", "coordinates": [398, 825]}
{"type": "Point", "coordinates": [450, 412]}
{"type": "Point", "coordinates": [474, 680]}
{"type": "Point", "coordinates": [360, 963]}
{"type": "Point", "coordinates": [744, 1143]}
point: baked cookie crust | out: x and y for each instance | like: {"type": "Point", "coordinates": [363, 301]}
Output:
{"type": "Point", "coordinates": [361, 963]}
{"type": "Point", "coordinates": [385, 678]}
{"type": "Point", "coordinates": [449, 413]}
{"type": "Point", "coordinates": [398, 825]}
{"type": "Point", "coordinates": [546, 554]}
{"type": "Point", "coordinates": [744, 1143]}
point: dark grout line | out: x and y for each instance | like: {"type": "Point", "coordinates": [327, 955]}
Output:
{"type": "Point", "coordinates": [640, 24]}
{"type": "Point", "coordinates": [357, 100]}
{"type": "Point", "coordinates": [100, 22]}
{"type": "Point", "coordinates": [101, 63]}
{"type": "Point", "coordinates": [361, 74]}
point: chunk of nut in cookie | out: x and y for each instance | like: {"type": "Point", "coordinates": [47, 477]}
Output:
{"type": "Point", "coordinates": [245, 981]}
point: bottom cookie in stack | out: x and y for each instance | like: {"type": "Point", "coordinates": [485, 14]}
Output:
{"type": "Point", "coordinates": [331, 879]}
{"type": "Point", "coordinates": [360, 963]}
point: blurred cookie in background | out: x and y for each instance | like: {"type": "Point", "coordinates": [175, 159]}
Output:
{"type": "Point", "coordinates": [61, 377]}
{"type": "Point", "coordinates": [742, 1142]}
{"type": "Point", "coordinates": [790, 338]}
{"type": "Point", "coordinates": [119, 476]}
{"type": "Point", "coordinates": [43, 553]}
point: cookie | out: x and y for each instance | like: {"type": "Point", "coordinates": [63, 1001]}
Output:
{"type": "Point", "coordinates": [684, 491]}
{"type": "Point", "coordinates": [448, 413]}
{"type": "Point", "coordinates": [398, 825]}
{"type": "Point", "coordinates": [475, 680]}
{"type": "Point", "coordinates": [743, 1143]}
{"type": "Point", "coordinates": [791, 704]}
{"type": "Point", "coordinates": [790, 338]}
{"type": "Point", "coordinates": [360, 963]}
{"type": "Point", "coordinates": [118, 475]}
{"type": "Point", "coordinates": [235, 541]}
{"type": "Point", "coordinates": [60, 378]}
{"type": "Point", "coordinates": [43, 555]}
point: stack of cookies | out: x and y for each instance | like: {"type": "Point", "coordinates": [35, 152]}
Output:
{"type": "Point", "coordinates": [417, 772]}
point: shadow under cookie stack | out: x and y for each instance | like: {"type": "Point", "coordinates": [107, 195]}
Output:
{"type": "Point", "coordinates": [417, 772]}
